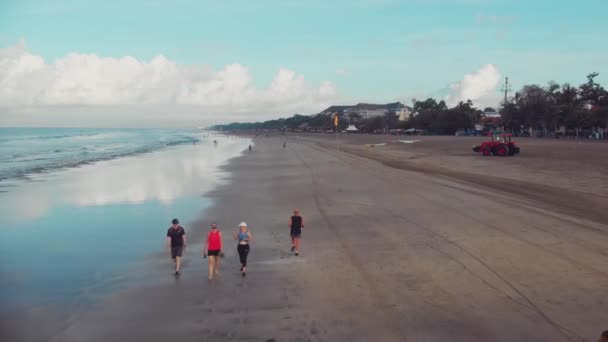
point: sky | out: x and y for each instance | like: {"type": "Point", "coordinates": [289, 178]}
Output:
{"type": "Point", "coordinates": [185, 63]}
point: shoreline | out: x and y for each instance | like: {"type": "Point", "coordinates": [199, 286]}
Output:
{"type": "Point", "coordinates": [100, 267]}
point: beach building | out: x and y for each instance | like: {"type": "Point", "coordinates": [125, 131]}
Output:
{"type": "Point", "coordinates": [370, 110]}
{"type": "Point", "coordinates": [334, 109]}
{"type": "Point", "coordinates": [405, 114]}
{"type": "Point", "coordinates": [491, 114]}
{"type": "Point", "coordinates": [366, 110]}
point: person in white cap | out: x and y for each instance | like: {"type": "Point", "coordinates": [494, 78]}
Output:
{"type": "Point", "coordinates": [243, 236]}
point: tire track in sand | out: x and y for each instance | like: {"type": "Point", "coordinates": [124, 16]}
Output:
{"type": "Point", "coordinates": [393, 325]}
{"type": "Point", "coordinates": [565, 332]}
{"type": "Point", "coordinates": [584, 244]}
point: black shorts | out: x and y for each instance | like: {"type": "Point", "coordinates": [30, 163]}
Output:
{"type": "Point", "coordinates": [176, 251]}
{"type": "Point", "coordinates": [296, 232]}
{"type": "Point", "coordinates": [214, 252]}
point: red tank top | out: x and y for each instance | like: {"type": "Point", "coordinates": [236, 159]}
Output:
{"type": "Point", "coordinates": [213, 239]}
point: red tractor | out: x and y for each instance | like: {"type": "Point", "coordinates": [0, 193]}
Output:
{"type": "Point", "coordinates": [499, 145]}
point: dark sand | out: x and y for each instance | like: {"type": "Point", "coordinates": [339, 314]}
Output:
{"type": "Point", "coordinates": [393, 250]}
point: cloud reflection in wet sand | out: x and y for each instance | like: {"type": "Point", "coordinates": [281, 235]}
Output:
{"type": "Point", "coordinates": [160, 176]}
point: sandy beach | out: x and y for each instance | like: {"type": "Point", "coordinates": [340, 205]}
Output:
{"type": "Point", "coordinates": [401, 244]}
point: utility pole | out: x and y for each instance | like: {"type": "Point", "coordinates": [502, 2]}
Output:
{"type": "Point", "coordinates": [506, 89]}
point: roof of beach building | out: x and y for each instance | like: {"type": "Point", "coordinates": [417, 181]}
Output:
{"type": "Point", "coordinates": [491, 114]}
{"type": "Point", "coordinates": [365, 106]}
{"type": "Point", "coordinates": [334, 109]}
{"type": "Point", "coordinates": [372, 106]}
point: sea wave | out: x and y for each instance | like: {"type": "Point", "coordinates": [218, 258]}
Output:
{"type": "Point", "coordinates": [38, 138]}
{"type": "Point", "coordinates": [26, 154]}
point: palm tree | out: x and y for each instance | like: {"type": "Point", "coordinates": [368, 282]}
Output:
{"type": "Point", "coordinates": [566, 101]}
{"type": "Point", "coordinates": [390, 118]}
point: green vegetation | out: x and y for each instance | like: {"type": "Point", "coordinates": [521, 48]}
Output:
{"type": "Point", "coordinates": [558, 107]}
{"type": "Point", "coordinates": [317, 121]}
{"type": "Point", "coordinates": [436, 117]}
{"type": "Point", "coordinates": [554, 108]}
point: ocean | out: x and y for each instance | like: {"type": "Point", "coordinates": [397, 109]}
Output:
{"type": "Point", "coordinates": [28, 151]}
{"type": "Point", "coordinates": [82, 209]}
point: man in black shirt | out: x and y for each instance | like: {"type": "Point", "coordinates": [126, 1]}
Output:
{"type": "Point", "coordinates": [176, 240]}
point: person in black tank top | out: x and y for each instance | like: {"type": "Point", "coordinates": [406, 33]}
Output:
{"type": "Point", "coordinates": [296, 223]}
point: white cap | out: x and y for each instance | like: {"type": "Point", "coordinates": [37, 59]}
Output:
{"type": "Point", "coordinates": [243, 224]}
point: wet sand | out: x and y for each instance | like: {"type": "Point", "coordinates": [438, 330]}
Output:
{"type": "Point", "coordinates": [392, 251]}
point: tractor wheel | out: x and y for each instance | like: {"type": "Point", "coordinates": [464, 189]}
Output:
{"type": "Point", "coordinates": [486, 151]}
{"type": "Point", "coordinates": [501, 150]}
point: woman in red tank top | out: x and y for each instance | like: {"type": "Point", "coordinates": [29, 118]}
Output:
{"type": "Point", "coordinates": [213, 249]}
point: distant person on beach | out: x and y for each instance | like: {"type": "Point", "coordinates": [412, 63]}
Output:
{"type": "Point", "coordinates": [249, 147]}
{"type": "Point", "coordinates": [296, 223]}
{"type": "Point", "coordinates": [243, 236]}
{"type": "Point", "coordinates": [176, 241]}
{"type": "Point", "coordinates": [604, 337]}
{"type": "Point", "coordinates": [284, 144]}
{"type": "Point", "coordinates": [213, 249]}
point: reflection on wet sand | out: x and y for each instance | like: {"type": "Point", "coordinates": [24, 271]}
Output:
{"type": "Point", "coordinates": [72, 230]}
{"type": "Point", "coordinates": [162, 176]}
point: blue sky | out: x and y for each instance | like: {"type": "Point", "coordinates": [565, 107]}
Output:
{"type": "Point", "coordinates": [369, 50]}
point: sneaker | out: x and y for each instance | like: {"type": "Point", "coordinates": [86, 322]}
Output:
{"type": "Point", "coordinates": [176, 274]}
{"type": "Point", "coordinates": [243, 274]}
{"type": "Point", "coordinates": [297, 253]}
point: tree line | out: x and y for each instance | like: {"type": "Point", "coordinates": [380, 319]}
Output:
{"type": "Point", "coordinates": [549, 109]}
{"type": "Point", "coordinates": [316, 121]}
{"type": "Point", "coordinates": [557, 108]}
{"type": "Point", "coordinates": [430, 116]}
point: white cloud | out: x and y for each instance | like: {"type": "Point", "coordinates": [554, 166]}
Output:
{"type": "Point", "coordinates": [341, 72]}
{"type": "Point", "coordinates": [479, 87]}
{"type": "Point", "coordinates": [29, 81]}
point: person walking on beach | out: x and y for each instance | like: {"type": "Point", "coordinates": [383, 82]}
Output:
{"type": "Point", "coordinates": [296, 223]}
{"type": "Point", "coordinates": [176, 241]}
{"type": "Point", "coordinates": [243, 236]}
{"type": "Point", "coordinates": [213, 249]}
{"type": "Point", "coordinates": [284, 144]}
